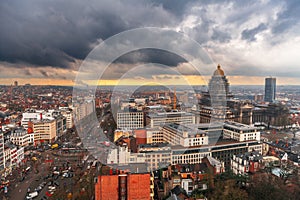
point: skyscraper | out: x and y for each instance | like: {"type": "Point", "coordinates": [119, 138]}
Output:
{"type": "Point", "coordinates": [270, 89]}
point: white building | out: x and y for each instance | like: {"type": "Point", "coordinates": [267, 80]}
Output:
{"type": "Point", "coordinates": [20, 137]}
{"type": "Point", "coordinates": [40, 115]}
{"type": "Point", "coordinates": [186, 136]}
{"type": "Point", "coordinates": [159, 119]}
{"type": "Point", "coordinates": [31, 115]}
{"type": "Point", "coordinates": [121, 155]}
{"type": "Point", "coordinates": [130, 120]}
{"type": "Point", "coordinates": [192, 155]}
{"type": "Point", "coordinates": [68, 114]}
{"type": "Point", "coordinates": [240, 132]}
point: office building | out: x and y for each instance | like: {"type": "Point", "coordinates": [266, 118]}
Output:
{"type": "Point", "coordinates": [184, 135]}
{"type": "Point", "coordinates": [240, 132]}
{"type": "Point", "coordinates": [44, 130]}
{"type": "Point", "coordinates": [154, 120]}
{"type": "Point", "coordinates": [130, 120]}
{"type": "Point", "coordinates": [270, 89]}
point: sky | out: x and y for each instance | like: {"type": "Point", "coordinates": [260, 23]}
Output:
{"type": "Point", "coordinates": [45, 42]}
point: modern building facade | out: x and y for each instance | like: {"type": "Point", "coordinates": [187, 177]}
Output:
{"type": "Point", "coordinates": [154, 120]}
{"type": "Point", "coordinates": [270, 89]}
{"type": "Point", "coordinates": [240, 132]}
{"type": "Point", "coordinates": [130, 120]}
{"type": "Point", "coordinates": [184, 135]}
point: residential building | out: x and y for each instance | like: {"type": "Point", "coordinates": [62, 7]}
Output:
{"type": "Point", "coordinates": [20, 137]}
{"type": "Point", "coordinates": [248, 162]}
{"type": "Point", "coordinates": [225, 149]}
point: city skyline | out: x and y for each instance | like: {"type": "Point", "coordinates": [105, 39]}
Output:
{"type": "Point", "coordinates": [250, 42]}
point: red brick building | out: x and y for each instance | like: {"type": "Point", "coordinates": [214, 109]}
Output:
{"type": "Point", "coordinates": [123, 186]}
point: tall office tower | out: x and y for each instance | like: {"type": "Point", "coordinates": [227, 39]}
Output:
{"type": "Point", "coordinates": [270, 89]}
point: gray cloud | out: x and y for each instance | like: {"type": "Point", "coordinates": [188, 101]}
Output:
{"type": "Point", "coordinates": [151, 56]}
{"type": "Point", "coordinates": [60, 33]}
{"type": "Point", "coordinates": [288, 18]}
{"type": "Point", "coordinates": [249, 34]}
{"type": "Point", "coordinates": [56, 33]}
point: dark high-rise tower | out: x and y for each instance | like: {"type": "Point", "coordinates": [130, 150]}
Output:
{"type": "Point", "coordinates": [270, 89]}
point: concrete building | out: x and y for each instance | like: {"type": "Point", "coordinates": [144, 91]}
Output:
{"type": "Point", "coordinates": [83, 108]}
{"type": "Point", "coordinates": [68, 114]}
{"type": "Point", "coordinates": [154, 135]}
{"type": "Point", "coordinates": [31, 115]}
{"type": "Point", "coordinates": [191, 155]}
{"type": "Point", "coordinates": [44, 130]}
{"type": "Point", "coordinates": [121, 155]}
{"type": "Point", "coordinates": [240, 132]}
{"type": "Point", "coordinates": [40, 115]}
{"type": "Point", "coordinates": [130, 120]}
{"type": "Point", "coordinates": [184, 135]}
{"type": "Point", "coordinates": [157, 155]}
{"type": "Point", "coordinates": [154, 120]}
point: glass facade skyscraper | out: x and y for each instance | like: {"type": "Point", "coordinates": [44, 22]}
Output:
{"type": "Point", "coordinates": [270, 89]}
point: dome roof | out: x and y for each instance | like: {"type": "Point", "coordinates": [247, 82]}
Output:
{"type": "Point", "coordinates": [219, 71]}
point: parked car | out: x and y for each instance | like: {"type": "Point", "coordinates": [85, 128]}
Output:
{"type": "Point", "coordinates": [32, 195]}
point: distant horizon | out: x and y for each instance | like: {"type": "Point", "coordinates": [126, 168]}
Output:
{"type": "Point", "coordinates": [141, 85]}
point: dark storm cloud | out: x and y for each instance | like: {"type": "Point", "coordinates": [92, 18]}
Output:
{"type": "Point", "coordinates": [56, 33]}
{"type": "Point", "coordinates": [59, 33]}
{"type": "Point", "coordinates": [151, 56]}
{"type": "Point", "coordinates": [249, 34]}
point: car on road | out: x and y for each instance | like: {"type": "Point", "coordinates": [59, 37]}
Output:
{"type": "Point", "coordinates": [32, 195]}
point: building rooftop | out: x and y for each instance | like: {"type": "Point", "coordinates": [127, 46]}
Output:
{"type": "Point", "coordinates": [191, 130]}
{"type": "Point", "coordinates": [239, 126]}
{"type": "Point", "coordinates": [169, 114]}
{"type": "Point", "coordinates": [254, 155]}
